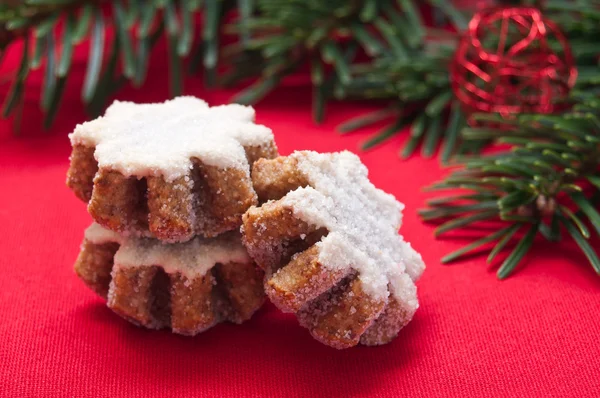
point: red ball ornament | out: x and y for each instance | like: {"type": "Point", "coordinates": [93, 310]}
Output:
{"type": "Point", "coordinates": [504, 63]}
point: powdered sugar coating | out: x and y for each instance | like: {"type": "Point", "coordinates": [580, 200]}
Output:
{"type": "Point", "coordinates": [98, 235]}
{"type": "Point", "coordinates": [362, 221]}
{"type": "Point", "coordinates": [192, 259]}
{"type": "Point", "coordinates": [159, 139]}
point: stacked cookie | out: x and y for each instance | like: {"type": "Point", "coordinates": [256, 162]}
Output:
{"type": "Point", "coordinates": [167, 185]}
{"type": "Point", "coordinates": [171, 186]}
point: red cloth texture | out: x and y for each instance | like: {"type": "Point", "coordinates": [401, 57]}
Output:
{"type": "Point", "coordinates": [535, 334]}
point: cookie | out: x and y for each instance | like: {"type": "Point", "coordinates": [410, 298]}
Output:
{"type": "Point", "coordinates": [171, 170]}
{"type": "Point", "coordinates": [328, 242]}
{"type": "Point", "coordinates": [187, 287]}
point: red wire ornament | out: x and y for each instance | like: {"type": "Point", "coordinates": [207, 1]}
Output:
{"type": "Point", "coordinates": [505, 64]}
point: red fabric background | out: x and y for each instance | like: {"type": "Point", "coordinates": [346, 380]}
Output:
{"type": "Point", "coordinates": [533, 334]}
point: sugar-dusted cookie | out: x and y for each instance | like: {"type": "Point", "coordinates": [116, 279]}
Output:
{"type": "Point", "coordinates": [187, 287]}
{"type": "Point", "coordinates": [171, 170]}
{"type": "Point", "coordinates": [329, 244]}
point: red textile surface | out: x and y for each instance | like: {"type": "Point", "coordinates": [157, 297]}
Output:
{"type": "Point", "coordinates": [533, 334]}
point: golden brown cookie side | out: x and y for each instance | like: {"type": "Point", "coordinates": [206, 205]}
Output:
{"type": "Point", "coordinates": [94, 264]}
{"type": "Point", "coordinates": [229, 195]}
{"type": "Point", "coordinates": [170, 209]}
{"type": "Point", "coordinates": [272, 234]}
{"type": "Point", "coordinates": [242, 285]}
{"type": "Point", "coordinates": [272, 223]}
{"type": "Point", "coordinates": [201, 200]}
{"type": "Point", "coordinates": [131, 296]}
{"type": "Point", "coordinates": [161, 298]}
{"type": "Point", "coordinates": [388, 325]}
{"type": "Point", "coordinates": [149, 297]}
{"type": "Point", "coordinates": [274, 178]}
{"type": "Point", "coordinates": [118, 202]}
{"type": "Point", "coordinates": [152, 298]}
{"type": "Point", "coordinates": [301, 280]}
{"type": "Point", "coordinates": [265, 151]}
{"type": "Point", "coordinates": [208, 202]}
{"type": "Point", "coordinates": [340, 316]}
{"type": "Point", "coordinates": [82, 169]}
{"type": "Point", "coordinates": [188, 304]}
{"type": "Point", "coordinates": [192, 304]}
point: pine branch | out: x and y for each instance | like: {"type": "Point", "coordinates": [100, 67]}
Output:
{"type": "Point", "coordinates": [284, 34]}
{"type": "Point", "coordinates": [137, 25]}
{"type": "Point", "coordinates": [418, 85]}
{"type": "Point", "coordinates": [547, 181]}
{"type": "Point", "coordinates": [406, 63]}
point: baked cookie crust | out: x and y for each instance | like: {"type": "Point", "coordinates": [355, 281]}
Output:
{"type": "Point", "coordinates": [186, 287]}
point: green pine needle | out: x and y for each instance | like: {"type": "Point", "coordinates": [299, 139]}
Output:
{"type": "Point", "coordinates": [582, 242]}
{"type": "Point", "coordinates": [478, 243]}
{"type": "Point", "coordinates": [16, 91]}
{"type": "Point", "coordinates": [95, 59]}
{"type": "Point", "coordinates": [365, 120]}
{"type": "Point", "coordinates": [518, 253]}
{"type": "Point", "coordinates": [509, 233]}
